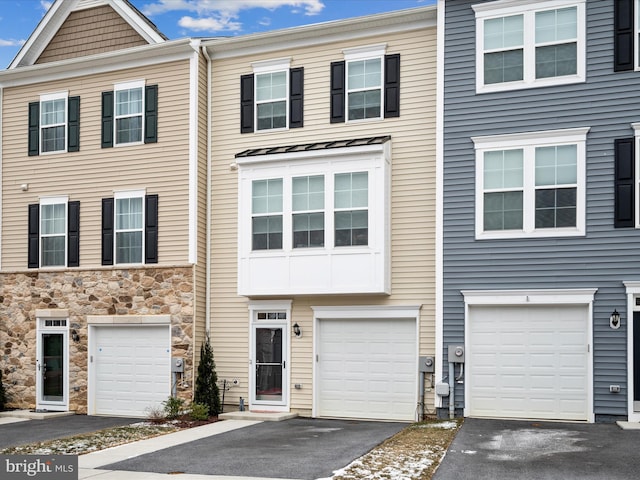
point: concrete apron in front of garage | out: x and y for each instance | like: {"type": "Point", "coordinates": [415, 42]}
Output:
{"type": "Point", "coordinates": [531, 450]}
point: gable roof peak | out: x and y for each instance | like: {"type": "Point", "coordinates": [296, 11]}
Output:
{"type": "Point", "coordinates": [60, 11]}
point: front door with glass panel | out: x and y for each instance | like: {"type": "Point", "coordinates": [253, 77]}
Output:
{"type": "Point", "coordinates": [269, 364]}
{"type": "Point", "coordinates": [51, 365]}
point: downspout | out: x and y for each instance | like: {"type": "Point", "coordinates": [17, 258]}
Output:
{"type": "Point", "coordinates": [207, 308]}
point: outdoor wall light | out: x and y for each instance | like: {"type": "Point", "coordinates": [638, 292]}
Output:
{"type": "Point", "coordinates": [75, 336]}
{"type": "Point", "coordinates": [296, 330]}
{"type": "Point", "coordinates": [614, 320]}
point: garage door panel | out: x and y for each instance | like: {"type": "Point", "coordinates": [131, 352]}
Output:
{"type": "Point", "coordinates": [545, 357]}
{"type": "Point", "coordinates": [378, 369]}
{"type": "Point", "coordinates": [131, 369]}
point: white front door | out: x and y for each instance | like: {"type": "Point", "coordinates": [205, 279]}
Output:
{"type": "Point", "coordinates": [269, 369]}
{"type": "Point", "coordinates": [52, 365]}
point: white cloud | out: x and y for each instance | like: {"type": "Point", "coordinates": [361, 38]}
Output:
{"type": "Point", "coordinates": [222, 15]}
{"type": "Point", "coordinates": [11, 43]}
{"type": "Point", "coordinates": [209, 24]}
{"type": "Point", "coordinates": [46, 5]}
{"type": "Point", "coordinates": [265, 21]}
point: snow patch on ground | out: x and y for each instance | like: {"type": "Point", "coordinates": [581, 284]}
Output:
{"type": "Point", "coordinates": [381, 464]}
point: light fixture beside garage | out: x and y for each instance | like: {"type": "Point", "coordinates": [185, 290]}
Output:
{"type": "Point", "coordinates": [296, 330]}
{"type": "Point", "coordinates": [614, 320]}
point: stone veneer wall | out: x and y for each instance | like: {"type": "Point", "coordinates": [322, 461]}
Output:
{"type": "Point", "coordinates": [133, 291]}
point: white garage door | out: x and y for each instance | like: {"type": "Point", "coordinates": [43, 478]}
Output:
{"type": "Point", "coordinates": [528, 362]}
{"type": "Point", "coordinates": [367, 369]}
{"type": "Point", "coordinates": [131, 369]}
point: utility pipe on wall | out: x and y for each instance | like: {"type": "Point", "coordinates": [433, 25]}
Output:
{"type": "Point", "coordinates": [452, 390]}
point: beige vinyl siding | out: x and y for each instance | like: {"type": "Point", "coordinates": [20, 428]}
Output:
{"type": "Point", "coordinates": [94, 173]}
{"type": "Point", "coordinates": [412, 206]}
{"type": "Point", "coordinates": [90, 31]}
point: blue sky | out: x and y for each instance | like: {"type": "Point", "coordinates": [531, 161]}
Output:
{"type": "Point", "coordinates": [202, 18]}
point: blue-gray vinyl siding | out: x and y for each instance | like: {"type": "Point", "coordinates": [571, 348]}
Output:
{"type": "Point", "coordinates": [608, 102]}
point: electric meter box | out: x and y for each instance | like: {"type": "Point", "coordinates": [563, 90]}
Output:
{"type": "Point", "coordinates": [177, 365]}
{"type": "Point", "coordinates": [427, 364]}
{"type": "Point", "coordinates": [456, 354]}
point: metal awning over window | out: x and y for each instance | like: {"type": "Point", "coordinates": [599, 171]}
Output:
{"type": "Point", "coordinates": [307, 147]}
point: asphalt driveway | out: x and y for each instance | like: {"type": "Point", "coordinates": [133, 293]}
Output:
{"type": "Point", "coordinates": [507, 449]}
{"type": "Point", "coordinates": [301, 448]}
{"type": "Point", "coordinates": [31, 431]}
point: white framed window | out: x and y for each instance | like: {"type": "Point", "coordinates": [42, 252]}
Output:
{"type": "Point", "coordinates": [521, 44]}
{"type": "Point", "coordinates": [129, 226]}
{"type": "Point", "coordinates": [347, 196]}
{"type": "Point", "coordinates": [307, 205]}
{"type": "Point", "coordinates": [531, 184]}
{"type": "Point", "coordinates": [364, 82]}
{"type": "Point", "coordinates": [53, 122]}
{"type": "Point", "coordinates": [271, 94]}
{"type": "Point", "coordinates": [351, 208]}
{"type": "Point", "coordinates": [266, 209]}
{"type": "Point", "coordinates": [129, 112]}
{"type": "Point", "coordinates": [53, 231]}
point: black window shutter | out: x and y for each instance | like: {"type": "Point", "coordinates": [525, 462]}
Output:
{"type": "Point", "coordinates": [624, 183]}
{"type": "Point", "coordinates": [623, 35]}
{"type": "Point", "coordinates": [246, 103]}
{"type": "Point", "coordinates": [151, 229]}
{"type": "Point", "coordinates": [337, 91]}
{"type": "Point", "coordinates": [392, 85]}
{"type": "Point", "coordinates": [107, 119]}
{"type": "Point", "coordinates": [73, 124]}
{"type": "Point", "coordinates": [34, 128]}
{"type": "Point", "coordinates": [107, 231]}
{"type": "Point", "coordinates": [296, 97]}
{"type": "Point", "coordinates": [33, 253]}
{"type": "Point", "coordinates": [73, 234]}
{"type": "Point", "coordinates": [151, 114]}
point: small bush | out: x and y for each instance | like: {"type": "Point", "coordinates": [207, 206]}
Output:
{"type": "Point", "coordinates": [199, 411]}
{"type": "Point", "coordinates": [173, 407]}
{"type": "Point", "coordinates": [156, 415]}
{"type": "Point", "coordinates": [206, 388]}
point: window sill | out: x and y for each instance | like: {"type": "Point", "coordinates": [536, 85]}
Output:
{"type": "Point", "coordinates": [543, 233]}
{"type": "Point", "coordinates": [524, 85]}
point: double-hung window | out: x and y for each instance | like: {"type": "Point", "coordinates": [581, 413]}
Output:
{"type": "Point", "coordinates": [54, 233]}
{"type": "Point", "coordinates": [364, 88]}
{"type": "Point", "coordinates": [130, 114]}
{"type": "Point", "coordinates": [307, 205]}
{"type": "Point", "coordinates": [130, 228]}
{"type": "Point", "coordinates": [529, 44]}
{"type": "Point", "coordinates": [129, 222]}
{"type": "Point", "coordinates": [272, 97]}
{"type": "Point", "coordinates": [365, 85]}
{"type": "Point", "coordinates": [531, 184]}
{"type": "Point", "coordinates": [351, 209]}
{"type": "Point", "coordinates": [129, 106]}
{"type": "Point", "coordinates": [54, 124]}
{"type": "Point", "coordinates": [271, 100]}
{"type": "Point", "coordinates": [266, 208]}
